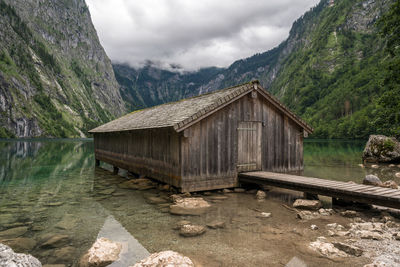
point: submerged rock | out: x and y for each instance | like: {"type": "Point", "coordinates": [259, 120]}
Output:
{"type": "Point", "coordinates": [64, 254]}
{"type": "Point", "coordinates": [9, 258]}
{"type": "Point", "coordinates": [380, 148]}
{"type": "Point", "coordinates": [102, 253]}
{"type": "Point", "coordinates": [261, 195]}
{"type": "Point", "coordinates": [181, 223]}
{"type": "Point", "coordinates": [55, 241]}
{"type": "Point", "coordinates": [156, 200]}
{"type": "Point", "coordinates": [68, 222]}
{"type": "Point", "coordinates": [165, 259]}
{"type": "Point", "coordinates": [372, 180]}
{"type": "Point", "coordinates": [216, 224]}
{"type": "Point", "coordinates": [108, 191]}
{"type": "Point", "coordinates": [21, 244]}
{"type": "Point", "coordinates": [307, 204]}
{"type": "Point", "coordinates": [189, 230]}
{"type": "Point", "coordinates": [189, 206]}
{"type": "Point", "coordinates": [13, 232]}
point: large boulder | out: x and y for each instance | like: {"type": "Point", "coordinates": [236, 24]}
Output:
{"type": "Point", "coordinates": [165, 259]}
{"type": "Point", "coordinates": [189, 206]}
{"type": "Point", "coordinates": [102, 253]}
{"type": "Point", "coordinates": [9, 258]}
{"type": "Point", "coordinates": [380, 148]}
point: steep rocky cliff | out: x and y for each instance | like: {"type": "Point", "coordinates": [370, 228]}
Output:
{"type": "Point", "coordinates": [55, 78]}
{"type": "Point", "coordinates": [330, 69]}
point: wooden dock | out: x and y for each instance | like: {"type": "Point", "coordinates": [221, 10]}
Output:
{"type": "Point", "coordinates": [339, 190]}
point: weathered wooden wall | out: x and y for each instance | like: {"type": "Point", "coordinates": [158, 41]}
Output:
{"type": "Point", "coordinates": [205, 155]}
{"type": "Point", "coordinates": [210, 147]}
{"type": "Point", "coordinates": [152, 152]}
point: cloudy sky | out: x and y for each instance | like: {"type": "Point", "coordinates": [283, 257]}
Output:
{"type": "Point", "coordinates": [192, 33]}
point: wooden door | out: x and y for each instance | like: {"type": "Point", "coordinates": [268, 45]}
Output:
{"type": "Point", "coordinates": [249, 146]}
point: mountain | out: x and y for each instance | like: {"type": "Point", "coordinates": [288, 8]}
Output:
{"type": "Point", "coordinates": [332, 71]}
{"type": "Point", "coordinates": [150, 85]}
{"type": "Point", "coordinates": [55, 78]}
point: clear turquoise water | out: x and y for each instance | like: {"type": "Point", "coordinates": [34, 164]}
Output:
{"type": "Point", "coordinates": [51, 188]}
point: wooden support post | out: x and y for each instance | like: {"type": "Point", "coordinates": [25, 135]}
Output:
{"type": "Point", "coordinates": [115, 170]}
{"type": "Point", "coordinates": [97, 163]}
{"type": "Point", "coordinates": [310, 196]}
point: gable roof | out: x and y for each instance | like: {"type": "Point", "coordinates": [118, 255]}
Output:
{"type": "Point", "coordinates": [183, 113]}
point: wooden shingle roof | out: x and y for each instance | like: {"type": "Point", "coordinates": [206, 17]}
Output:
{"type": "Point", "coordinates": [183, 113]}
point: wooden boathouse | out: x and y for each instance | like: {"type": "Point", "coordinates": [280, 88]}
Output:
{"type": "Point", "coordinates": [203, 142]}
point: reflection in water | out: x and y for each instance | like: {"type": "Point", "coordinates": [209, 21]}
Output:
{"type": "Point", "coordinates": [132, 250]}
{"type": "Point", "coordinates": [340, 160]}
{"type": "Point", "coordinates": [54, 204]}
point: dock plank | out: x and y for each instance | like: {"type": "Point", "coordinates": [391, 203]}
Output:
{"type": "Point", "coordinates": [356, 192]}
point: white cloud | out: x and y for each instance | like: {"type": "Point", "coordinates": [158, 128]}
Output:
{"type": "Point", "coordinates": [192, 33]}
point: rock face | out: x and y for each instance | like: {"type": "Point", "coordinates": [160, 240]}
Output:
{"type": "Point", "coordinates": [307, 204]}
{"type": "Point", "coordinates": [189, 206]}
{"type": "Point", "coordinates": [380, 148]}
{"type": "Point", "coordinates": [9, 258]}
{"type": "Point", "coordinates": [372, 180]}
{"type": "Point", "coordinates": [102, 253]}
{"type": "Point", "coordinates": [165, 259]}
{"type": "Point", "coordinates": [54, 51]}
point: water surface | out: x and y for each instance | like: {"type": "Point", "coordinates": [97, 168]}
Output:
{"type": "Point", "coordinates": [50, 190]}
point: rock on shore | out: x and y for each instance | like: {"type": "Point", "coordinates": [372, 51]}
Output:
{"type": "Point", "coordinates": [102, 253]}
{"type": "Point", "coordinates": [165, 259]}
{"type": "Point", "coordinates": [9, 258]}
{"type": "Point", "coordinates": [307, 204]}
{"type": "Point", "coordinates": [380, 148]}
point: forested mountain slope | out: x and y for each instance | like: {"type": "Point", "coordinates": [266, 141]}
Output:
{"type": "Point", "coordinates": [55, 78]}
{"type": "Point", "coordinates": [334, 70]}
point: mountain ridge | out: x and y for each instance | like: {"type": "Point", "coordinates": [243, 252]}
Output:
{"type": "Point", "coordinates": [56, 80]}
{"type": "Point", "coordinates": [322, 71]}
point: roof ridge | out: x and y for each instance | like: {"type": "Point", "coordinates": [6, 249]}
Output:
{"type": "Point", "coordinates": [215, 104]}
{"type": "Point", "coordinates": [192, 97]}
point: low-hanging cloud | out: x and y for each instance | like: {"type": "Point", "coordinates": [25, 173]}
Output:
{"type": "Point", "coordinates": [192, 34]}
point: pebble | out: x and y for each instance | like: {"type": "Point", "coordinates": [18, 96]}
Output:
{"type": "Point", "coordinates": [314, 227]}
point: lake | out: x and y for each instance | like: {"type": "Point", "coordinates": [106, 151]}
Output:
{"type": "Point", "coordinates": [54, 203]}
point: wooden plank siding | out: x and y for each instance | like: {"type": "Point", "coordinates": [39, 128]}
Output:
{"type": "Point", "coordinates": [210, 148]}
{"type": "Point", "coordinates": [205, 155]}
{"type": "Point", "coordinates": [152, 152]}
